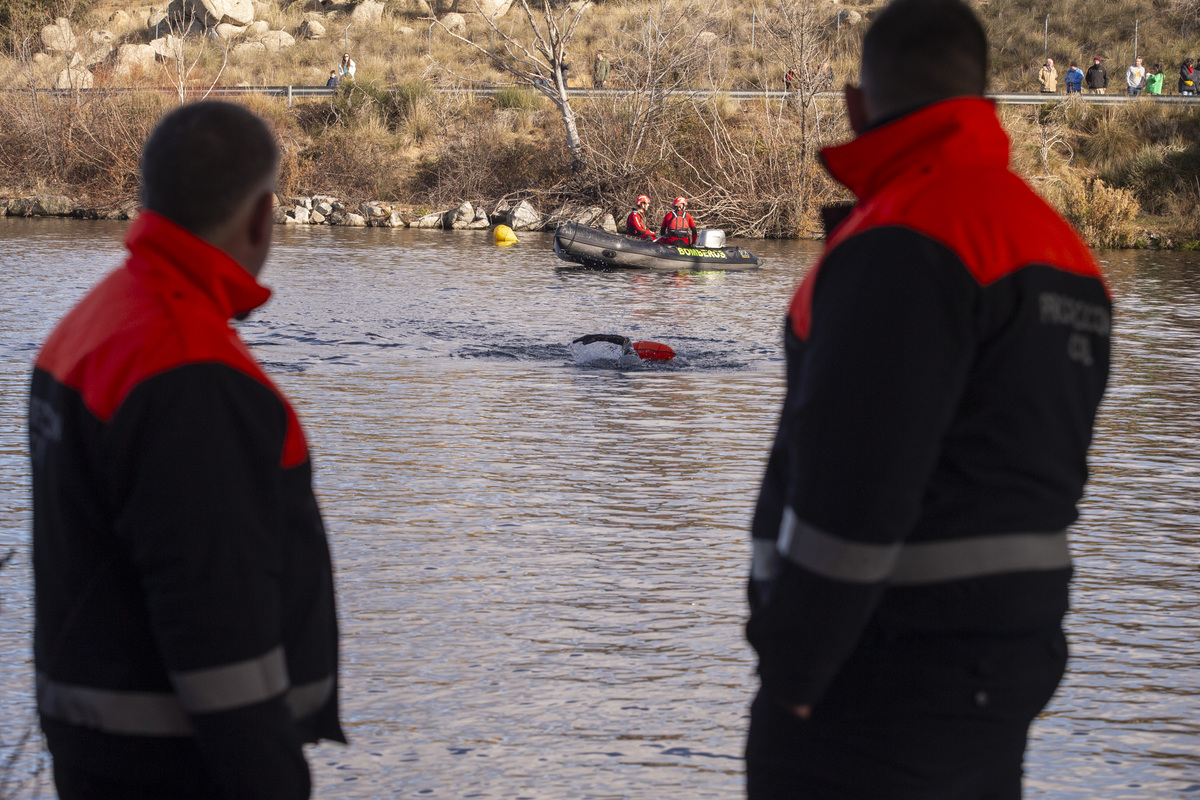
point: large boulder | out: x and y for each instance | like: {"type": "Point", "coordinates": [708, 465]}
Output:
{"type": "Point", "coordinates": [433, 220]}
{"type": "Point", "coordinates": [214, 12]}
{"type": "Point", "coordinates": [488, 8]}
{"type": "Point", "coordinates": [440, 7]}
{"type": "Point", "coordinates": [354, 221]}
{"type": "Point", "coordinates": [412, 8]}
{"type": "Point", "coordinates": [41, 205]}
{"type": "Point", "coordinates": [168, 47]}
{"type": "Point", "coordinates": [58, 38]}
{"type": "Point", "coordinates": [226, 32]}
{"type": "Point", "coordinates": [367, 13]}
{"type": "Point", "coordinates": [275, 41]}
{"type": "Point", "coordinates": [256, 30]}
{"type": "Point", "coordinates": [133, 59]}
{"type": "Point", "coordinates": [459, 218]}
{"type": "Point", "coordinates": [524, 217]}
{"type": "Point", "coordinates": [394, 220]}
{"type": "Point", "coordinates": [455, 23]}
{"type": "Point", "coordinates": [78, 78]}
{"type": "Point", "coordinates": [120, 19]}
{"type": "Point", "coordinates": [607, 223]}
{"type": "Point", "coordinates": [480, 222]}
{"type": "Point", "coordinates": [97, 45]}
{"type": "Point", "coordinates": [311, 29]}
{"type": "Point", "coordinates": [248, 50]}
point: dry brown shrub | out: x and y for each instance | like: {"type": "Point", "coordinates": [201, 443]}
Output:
{"type": "Point", "coordinates": [1103, 215]}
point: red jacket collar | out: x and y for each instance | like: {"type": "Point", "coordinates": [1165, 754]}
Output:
{"type": "Point", "coordinates": [159, 247]}
{"type": "Point", "coordinates": [959, 132]}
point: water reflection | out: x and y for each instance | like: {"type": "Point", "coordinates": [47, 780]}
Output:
{"type": "Point", "coordinates": [541, 566]}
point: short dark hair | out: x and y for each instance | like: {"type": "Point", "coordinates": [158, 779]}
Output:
{"type": "Point", "coordinates": [202, 160]}
{"type": "Point", "coordinates": [918, 52]}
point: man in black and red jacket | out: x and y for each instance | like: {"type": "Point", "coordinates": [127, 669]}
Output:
{"type": "Point", "coordinates": [186, 638]}
{"type": "Point", "coordinates": [945, 359]}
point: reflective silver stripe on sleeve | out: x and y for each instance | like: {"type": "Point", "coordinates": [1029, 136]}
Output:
{"type": "Point", "coordinates": [831, 556]}
{"type": "Point", "coordinates": [921, 563]}
{"type": "Point", "coordinates": [130, 713]}
{"type": "Point", "coordinates": [229, 686]}
{"type": "Point", "coordinates": [309, 698]}
{"type": "Point", "coordinates": [938, 562]}
{"type": "Point", "coordinates": [764, 560]}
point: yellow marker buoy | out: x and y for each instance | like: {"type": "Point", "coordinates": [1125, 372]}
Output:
{"type": "Point", "coordinates": [504, 234]}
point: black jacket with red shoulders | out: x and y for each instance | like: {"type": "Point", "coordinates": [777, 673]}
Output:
{"type": "Point", "coordinates": [184, 591]}
{"type": "Point", "coordinates": [945, 359]}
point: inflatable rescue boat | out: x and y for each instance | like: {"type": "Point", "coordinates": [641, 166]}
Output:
{"type": "Point", "coordinates": [592, 247]}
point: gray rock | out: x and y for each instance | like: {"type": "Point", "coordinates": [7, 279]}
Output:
{"type": "Point", "coordinates": [336, 218]}
{"type": "Point", "coordinates": [339, 206]}
{"type": "Point", "coordinates": [374, 210]}
{"type": "Point", "coordinates": [460, 218]}
{"type": "Point", "coordinates": [132, 58]}
{"type": "Point", "coordinates": [492, 9]}
{"type": "Point", "coordinates": [58, 38]}
{"type": "Point", "coordinates": [480, 222]}
{"type": "Point", "coordinates": [225, 31]}
{"type": "Point", "coordinates": [524, 217]}
{"type": "Point", "coordinates": [302, 202]}
{"type": "Point", "coordinates": [404, 30]}
{"type": "Point", "coordinates": [355, 221]}
{"type": "Point", "coordinates": [301, 214]}
{"type": "Point", "coordinates": [316, 218]}
{"type": "Point", "coordinates": [97, 46]}
{"type": "Point", "coordinates": [322, 207]}
{"type": "Point", "coordinates": [213, 12]}
{"type": "Point", "coordinates": [440, 7]}
{"type": "Point", "coordinates": [4, 203]}
{"type": "Point", "coordinates": [433, 220]}
{"type": "Point", "coordinates": [120, 18]}
{"type": "Point", "coordinates": [395, 220]}
{"type": "Point", "coordinates": [275, 41]}
{"type": "Point", "coordinates": [167, 47]}
{"type": "Point", "coordinates": [311, 29]}
{"type": "Point", "coordinates": [257, 29]}
{"type": "Point", "coordinates": [413, 8]}
{"type": "Point", "coordinates": [41, 205]}
{"type": "Point", "coordinates": [78, 78]}
{"type": "Point", "coordinates": [608, 223]}
{"type": "Point", "coordinates": [248, 50]}
{"type": "Point", "coordinates": [367, 13]}
{"type": "Point", "coordinates": [279, 215]}
{"type": "Point", "coordinates": [455, 23]}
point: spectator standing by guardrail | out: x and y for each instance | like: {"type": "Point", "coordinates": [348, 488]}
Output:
{"type": "Point", "coordinates": [600, 70]}
{"type": "Point", "coordinates": [1187, 77]}
{"type": "Point", "coordinates": [1135, 77]}
{"type": "Point", "coordinates": [332, 83]}
{"type": "Point", "coordinates": [1154, 82]}
{"type": "Point", "coordinates": [1097, 77]}
{"type": "Point", "coordinates": [1073, 79]}
{"type": "Point", "coordinates": [1048, 77]}
{"type": "Point", "coordinates": [346, 68]}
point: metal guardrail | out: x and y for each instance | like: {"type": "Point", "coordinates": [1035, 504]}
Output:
{"type": "Point", "coordinates": [308, 92]}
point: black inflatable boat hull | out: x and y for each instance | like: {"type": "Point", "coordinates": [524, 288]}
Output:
{"type": "Point", "coordinates": [592, 247]}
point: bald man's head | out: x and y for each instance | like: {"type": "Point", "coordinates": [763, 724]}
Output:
{"type": "Point", "coordinates": [918, 52]}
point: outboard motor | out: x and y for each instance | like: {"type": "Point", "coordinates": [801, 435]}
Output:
{"type": "Point", "coordinates": [604, 350]}
{"type": "Point", "coordinates": [710, 239]}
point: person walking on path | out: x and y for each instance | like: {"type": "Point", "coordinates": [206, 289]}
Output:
{"type": "Point", "coordinates": [1187, 77]}
{"type": "Point", "coordinates": [1135, 77]}
{"type": "Point", "coordinates": [1154, 81]}
{"type": "Point", "coordinates": [600, 70]}
{"type": "Point", "coordinates": [1048, 77]}
{"type": "Point", "coordinates": [910, 562]}
{"type": "Point", "coordinates": [346, 67]}
{"type": "Point", "coordinates": [185, 638]}
{"type": "Point", "coordinates": [1073, 80]}
{"type": "Point", "coordinates": [1097, 77]}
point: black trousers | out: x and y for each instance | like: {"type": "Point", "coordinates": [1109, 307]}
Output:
{"type": "Point", "coordinates": [78, 784]}
{"type": "Point", "coordinates": [911, 718]}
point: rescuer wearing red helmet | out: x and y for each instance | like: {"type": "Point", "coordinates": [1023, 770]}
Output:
{"type": "Point", "coordinates": [635, 224]}
{"type": "Point", "coordinates": [678, 227]}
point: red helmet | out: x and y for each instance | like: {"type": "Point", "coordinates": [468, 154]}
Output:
{"type": "Point", "coordinates": [679, 201]}
{"type": "Point", "coordinates": [641, 198]}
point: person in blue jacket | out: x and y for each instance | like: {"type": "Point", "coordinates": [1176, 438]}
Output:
{"type": "Point", "coordinates": [1074, 79]}
{"type": "Point", "coordinates": [945, 359]}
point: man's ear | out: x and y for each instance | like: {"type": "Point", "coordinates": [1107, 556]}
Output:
{"type": "Point", "coordinates": [856, 108]}
{"type": "Point", "coordinates": [261, 219]}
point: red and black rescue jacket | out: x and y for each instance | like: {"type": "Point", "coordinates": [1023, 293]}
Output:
{"type": "Point", "coordinates": [184, 591]}
{"type": "Point", "coordinates": [945, 359]}
{"type": "Point", "coordinates": [635, 225]}
{"type": "Point", "coordinates": [679, 227]}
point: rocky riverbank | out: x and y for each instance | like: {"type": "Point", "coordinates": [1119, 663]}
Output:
{"type": "Point", "coordinates": [520, 215]}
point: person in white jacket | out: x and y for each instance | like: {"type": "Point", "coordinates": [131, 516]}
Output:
{"type": "Point", "coordinates": [1135, 77]}
{"type": "Point", "coordinates": [346, 68]}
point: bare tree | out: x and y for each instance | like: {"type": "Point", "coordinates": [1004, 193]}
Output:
{"type": "Point", "coordinates": [176, 67]}
{"type": "Point", "coordinates": [539, 64]}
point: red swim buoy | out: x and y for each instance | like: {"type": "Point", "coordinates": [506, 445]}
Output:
{"type": "Point", "coordinates": [653, 351]}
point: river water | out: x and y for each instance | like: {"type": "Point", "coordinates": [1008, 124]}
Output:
{"type": "Point", "coordinates": [540, 566]}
